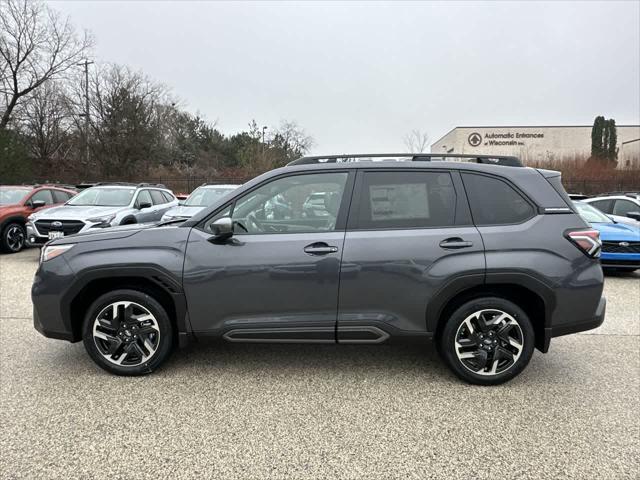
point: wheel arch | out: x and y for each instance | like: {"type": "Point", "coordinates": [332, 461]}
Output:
{"type": "Point", "coordinates": [12, 219]}
{"type": "Point", "coordinates": [535, 298]}
{"type": "Point", "coordinates": [154, 283]}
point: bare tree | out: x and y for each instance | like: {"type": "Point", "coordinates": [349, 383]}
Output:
{"type": "Point", "coordinates": [36, 45]}
{"type": "Point", "coordinates": [416, 141]}
{"type": "Point", "coordinates": [47, 122]}
{"type": "Point", "coordinates": [292, 139]}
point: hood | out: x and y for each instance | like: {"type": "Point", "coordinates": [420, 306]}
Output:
{"type": "Point", "coordinates": [10, 208]}
{"type": "Point", "coordinates": [617, 231]}
{"type": "Point", "coordinates": [182, 211]}
{"type": "Point", "coordinates": [110, 233]}
{"type": "Point", "coordinates": [72, 212]}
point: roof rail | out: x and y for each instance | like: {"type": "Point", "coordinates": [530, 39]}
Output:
{"type": "Point", "coordinates": [159, 185]}
{"type": "Point", "coordinates": [504, 160]}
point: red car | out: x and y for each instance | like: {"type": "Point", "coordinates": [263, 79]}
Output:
{"type": "Point", "coordinates": [17, 202]}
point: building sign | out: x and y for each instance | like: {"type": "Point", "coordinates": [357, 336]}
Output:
{"type": "Point", "coordinates": [506, 139]}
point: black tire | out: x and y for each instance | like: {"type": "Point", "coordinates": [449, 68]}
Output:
{"type": "Point", "coordinates": [13, 237]}
{"type": "Point", "coordinates": [138, 301]}
{"type": "Point", "coordinates": [483, 347]}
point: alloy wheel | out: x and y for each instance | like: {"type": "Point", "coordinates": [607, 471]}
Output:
{"type": "Point", "coordinates": [126, 333]}
{"type": "Point", "coordinates": [15, 238]}
{"type": "Point", "coordinates": [489, 342]}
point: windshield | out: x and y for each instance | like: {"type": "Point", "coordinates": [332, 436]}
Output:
{"type": "Point", "coordinates": [9, 196]}
{"type": "Point", "coordinates": [206, 196]}
{"type": "Point", "coordinates": [104, 197]}
{"type": "Point", "coordinates": [591, 214]}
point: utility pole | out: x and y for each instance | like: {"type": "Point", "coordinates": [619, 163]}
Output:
{"type": "Point", "coordinates": [86, 64]}
{"type": "Point", "coordinates": [264, 129]}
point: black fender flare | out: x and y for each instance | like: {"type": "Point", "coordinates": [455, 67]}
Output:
{"type": "Point", "coordinates": [128, 220]}
{"type": "Point", "coordinates": [459, 285]}
{"type": "Point", "coordinates": [160, 277]}
{"type": "Point", "coordinates": [13, 219]}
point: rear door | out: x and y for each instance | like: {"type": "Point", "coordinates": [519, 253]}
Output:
{"type": "Point", "coordinates": [409, 236]}
{"type": "Point", "coordinates": [160, 204]}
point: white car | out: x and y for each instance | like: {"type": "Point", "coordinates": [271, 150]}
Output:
{"type": "Point", "coordinates": [622, 208]}
{"type": "Point", "coordinates": [202, 197]}
{"type": "Point", "coordinates": [103, 206]}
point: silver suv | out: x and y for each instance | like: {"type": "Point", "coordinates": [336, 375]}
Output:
{"type": "Point", "coordinates": [101, 206]}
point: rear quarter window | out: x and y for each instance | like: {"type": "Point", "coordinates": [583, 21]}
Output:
{"type": "Point", "coordinates": [494, 201]}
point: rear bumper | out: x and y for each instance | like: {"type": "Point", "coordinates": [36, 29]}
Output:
{"type": "Point", "coordinates": [579, 326]}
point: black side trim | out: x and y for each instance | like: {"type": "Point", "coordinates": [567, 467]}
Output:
{"type": "Point", "coordinates": [362, 334]}
{"type": "Point", "coordinates": [281, 335]}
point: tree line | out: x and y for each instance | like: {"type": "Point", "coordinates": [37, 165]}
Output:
{"type": "Point", "coordinates": [135, 127]}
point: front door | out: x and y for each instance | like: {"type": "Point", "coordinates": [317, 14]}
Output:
{"type": "Point", "coordinates": [277, 278]}
{"type": "Point", "coordinates": [409, 236]}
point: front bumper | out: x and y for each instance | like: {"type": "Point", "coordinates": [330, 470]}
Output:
{"type": "Point", "coordinates": [620, 260]}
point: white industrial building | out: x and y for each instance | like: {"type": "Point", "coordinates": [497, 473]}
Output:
{"type": "Point", "coordinates": [538, 143]}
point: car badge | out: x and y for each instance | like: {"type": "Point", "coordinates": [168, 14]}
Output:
{"type": "Point", "coordinates": [56, 224]}
{"type": "Point", "coordinates": [624, 244]}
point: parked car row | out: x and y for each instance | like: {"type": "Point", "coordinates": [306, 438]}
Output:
{"type": "Point", "coordinates": [34, 214]}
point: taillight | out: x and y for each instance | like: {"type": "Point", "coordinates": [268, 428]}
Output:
{"type": "Point", "coordinates": [586, 240]}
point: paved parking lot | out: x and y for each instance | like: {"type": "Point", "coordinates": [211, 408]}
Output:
{"type": "Point", "coordinates": [287, 411]}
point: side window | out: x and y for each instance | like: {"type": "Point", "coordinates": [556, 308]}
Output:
{"type": "Point", "coordinates": [495, 202]}
{"type": "Point", "coordinates": [168, 197]}
{"type": "Point", "coordinates": [622, 207]}
{"type": "Point", "coordinates": [43, 195]}
{"type": "Point", "coordinates": [406, 200]}
{"type": "Point", "coordinates": [143, 197]}
{"type": "Point", "coordinates": [158, 198]}
{"type": "Point", "coordinates": [293, 204]}
{"type": "Point", "coordinates": [60, 196]}
{"type": "Point", "coordinates": [605, 206]}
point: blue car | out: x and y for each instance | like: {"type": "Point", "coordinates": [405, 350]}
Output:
{"type": "Point", "coordinates": [620, 242]}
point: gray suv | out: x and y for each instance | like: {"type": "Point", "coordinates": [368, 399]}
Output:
{"type": "Point", "coordinates": [102, 206]}
{"type": "Point", "coordinates": [486, 257]}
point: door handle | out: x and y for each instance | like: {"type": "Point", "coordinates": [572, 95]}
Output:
{"type": "Point", "coordinates": [455, 243]}
{"type": "Point", "coordinates": [320, 248]}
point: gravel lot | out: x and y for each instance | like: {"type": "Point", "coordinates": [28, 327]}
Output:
{"type": "Point", "coordinates": [286, 411]}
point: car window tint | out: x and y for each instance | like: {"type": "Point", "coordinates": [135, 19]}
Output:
{"type": "Point", "coordinates": [495, 202]}
{"type": "Point", "coordinates": [283, 206]}
{"type": "Point", "coordinates": [43, 195]}
{"type": "Point", "coordinates": [622, 207]}
{"type": "Point", "coordinates": [60, 196]}
{"type": "Point", "coordinates": [168, 197]}
{"type": "Point", "coordinates": [605, 206]}
{"type": "Point", "coordinates": [144, 197]}
{"type": "Point", "coordinates": [406, 200]}
{"type": "Point", "coordinates": [158, 198]}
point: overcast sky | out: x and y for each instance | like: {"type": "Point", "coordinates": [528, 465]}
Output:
{"type": "Point", "coordinates": [359, 76]}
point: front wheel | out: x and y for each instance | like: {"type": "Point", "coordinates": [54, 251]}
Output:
{"type": "Point", "coordinates": [487, 341]}
{"type": "Point", "coordinates": [127, 332]}
{"type": "Point", "coordinates": [12, 238]}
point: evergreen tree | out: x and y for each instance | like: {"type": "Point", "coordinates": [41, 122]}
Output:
{"type": "Point", "coordinates": [596, 137]}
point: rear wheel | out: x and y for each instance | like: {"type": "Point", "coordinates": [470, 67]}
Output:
{"type": "Point", "coordinates": [12, 238]}
{"type": "Point", "coordinates": [487, 341]}
{"type": "Point", "coordinates": [127, 332]}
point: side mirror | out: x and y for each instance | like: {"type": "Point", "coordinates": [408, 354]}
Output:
{"type": "Point", "coordinates": [37, 204]}
{"type": "Point", "coordinates": [144, 205]}
{"type": "Point", "coordinates": [222, 229]}
{"type": "Point", "coordinates": [634, 215]}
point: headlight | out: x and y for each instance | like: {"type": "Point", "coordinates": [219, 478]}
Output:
{"type": "Point", "coordinates": [52, 251]}
{"type": "Point", "coordinates": [102, 221]}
